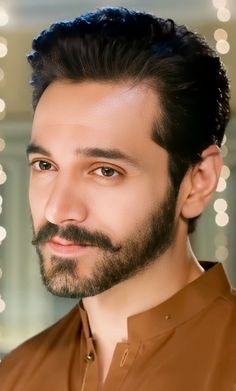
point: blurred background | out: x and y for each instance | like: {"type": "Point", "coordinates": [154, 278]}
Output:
{"type": "Point", "coordinates": [25, 305]}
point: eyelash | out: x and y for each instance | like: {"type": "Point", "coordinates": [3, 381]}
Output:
{"type": "Point", "coordinates": [35, 162]}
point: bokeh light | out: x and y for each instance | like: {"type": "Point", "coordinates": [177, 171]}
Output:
{"type": "Point", "coordinates": [222, 219]}
{"type": "Point", "coordinates": [223, 14]}
{"type": "Point", "coordinates": [221, 253]}
{"type": "Point", "coordinates": [2, 144]}
{"type": "Point", "coordinates": [222, 46]}
{"type": "Point", "coordinates": [220, 205]}
{"type": "Point", "coordinates": [220, 34]}
{"type": "Point", "coordinates": [221, 185]}
{"type": "Point", "coordinates": [219, 3]}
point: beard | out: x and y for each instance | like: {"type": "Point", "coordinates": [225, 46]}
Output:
{"type": "Point", "coordinates": [116, 263]}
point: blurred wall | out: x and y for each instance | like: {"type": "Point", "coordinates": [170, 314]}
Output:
{"type": "Point", "coordinates": [29, 307]}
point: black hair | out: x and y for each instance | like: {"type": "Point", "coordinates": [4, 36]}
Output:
{"type": "Point", "coordinates": [118, 44]}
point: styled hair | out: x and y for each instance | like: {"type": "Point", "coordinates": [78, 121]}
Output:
{"type": "Point", "coordinates": [116, 44]}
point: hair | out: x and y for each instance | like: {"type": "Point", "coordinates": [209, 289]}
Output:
{"type": "Point", "coordinates": [117, 44]}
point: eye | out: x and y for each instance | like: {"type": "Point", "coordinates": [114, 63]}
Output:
{"type": "Point", "coordinates": [42, 165]}
{"type": "Point", "coordinates": [107, 172]}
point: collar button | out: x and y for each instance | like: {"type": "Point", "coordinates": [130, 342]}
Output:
{"type": "Point", "coordinates": [90, 357]}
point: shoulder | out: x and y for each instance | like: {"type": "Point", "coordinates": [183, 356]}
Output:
{"type": "Point", "coordinates": [44, 345]}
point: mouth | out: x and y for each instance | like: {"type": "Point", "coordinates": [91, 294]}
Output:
{"type": "Point", "coordinates": [64, 247]}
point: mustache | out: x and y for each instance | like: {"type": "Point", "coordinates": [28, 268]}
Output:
{"type": "Point", "coordinates": [77, 235]}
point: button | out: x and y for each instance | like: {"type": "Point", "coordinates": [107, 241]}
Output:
{"type": "Point", "coordinates": [167, 317]}
{"type": "Point", "coordinates": [90, 357]}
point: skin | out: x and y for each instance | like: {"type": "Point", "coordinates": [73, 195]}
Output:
{"type": "Point", "coordinates": [71, 117]}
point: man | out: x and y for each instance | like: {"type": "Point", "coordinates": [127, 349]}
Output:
{"type": "Point", "coordinates": [130, 112]}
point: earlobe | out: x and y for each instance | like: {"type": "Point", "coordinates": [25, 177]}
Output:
{"type": "Point", "coordinates": [201, 182]}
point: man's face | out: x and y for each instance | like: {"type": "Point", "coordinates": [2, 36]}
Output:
{"type": "Point", "coordinates": [102, 205]}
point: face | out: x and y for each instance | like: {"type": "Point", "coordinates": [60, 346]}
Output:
{"type": "Point", "coordinates": [102, 205]}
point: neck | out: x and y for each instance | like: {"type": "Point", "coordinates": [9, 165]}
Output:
{"type": "Point", "coordinates": [154, 285]}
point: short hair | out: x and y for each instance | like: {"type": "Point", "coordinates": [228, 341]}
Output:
{"type": "Point", "coordinates": [116, 44]}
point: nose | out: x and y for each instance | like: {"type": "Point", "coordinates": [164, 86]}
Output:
{"type": "Point", "coordinates": [65, 202]}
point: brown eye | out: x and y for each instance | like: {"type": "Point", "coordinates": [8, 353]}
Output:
{"type": "Point", "coordinates": [108, 171]}
{"type": "Point", "coordinates": [44, 166]}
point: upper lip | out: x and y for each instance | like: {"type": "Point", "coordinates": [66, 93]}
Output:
{"type": "Point", "coordinates": [65, 242]}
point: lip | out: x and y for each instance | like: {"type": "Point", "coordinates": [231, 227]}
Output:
{"type": "Point", "coordinates": [64, 247]}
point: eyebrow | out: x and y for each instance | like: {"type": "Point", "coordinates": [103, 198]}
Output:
{"type": "Point", "coordinates": [113, 153]}
{"type": "Point", "coordinates": [34, 148]}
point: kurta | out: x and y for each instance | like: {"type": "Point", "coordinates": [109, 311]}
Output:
{"type": "Point", "coordinates": [187, 343]}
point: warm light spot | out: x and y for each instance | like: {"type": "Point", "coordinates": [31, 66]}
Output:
{"type": "Point", "coordinates": [224, 151]}
{"type": "Point", "coordinates": [225, 172]}
{"type": "Point", "coordinates": [222, 219]}
{"type": "Point", "coordinates": [224, 139]}
{"type": "Point", "coordinates": [3, 50]}
{"type": "Point", "coordinates": [2, 74]}
{"type": "Point", "coordinates": [221, 240]}
{"type": "Point", "coordinates": [220, 205]}
{"type": "Point", "coordinates": [4, 18]}
{"type": "Point", "coordinates": [221, 185]}
{"type": "Point", "coordinates": [2, 115]}
{"type": "Point", "coordinates": [219, 3]}
{"type": "Point", "coordinates": [222, 46]}
{"type": "Point", "coordinates": [2, 144]}
{"type": "Point", "coordinates": [3, 233]}
{"type": "Point", "coordinates": [2, 305]}
{"type": "Point", "coordinates": [3, 177]}
{"type": "Point", "coordinates": [220, 34]}
{"type": "Point", "coordinates": [221, 253]}
{"type": "Point", "coordinates": [223, 14]}
{"type": "Point", "coordinates": [2, 105]}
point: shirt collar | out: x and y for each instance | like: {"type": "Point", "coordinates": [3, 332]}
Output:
{"type": "Point", "coordinates": [182, 306]}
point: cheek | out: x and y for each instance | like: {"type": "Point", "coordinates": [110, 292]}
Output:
{"type": "Point", "coordinates": [37, 201]}
{"type": "Point", "coordinates": [121, 212]}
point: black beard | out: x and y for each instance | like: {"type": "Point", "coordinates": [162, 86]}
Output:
{"type": "Point", "coordinates": [117, 263]}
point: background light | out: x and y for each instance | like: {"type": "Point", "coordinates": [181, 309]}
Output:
{"type": "Point", "coordinates": [220, 205]}
{"type": "Point", "coordinates": [2, 74]}
{"type": "Point", "coordinates": [222, 219]}
{"type": "Point", "coordinates": [221, 239]}
{"type": "Point", "coordinates": [224, 151]}
{"type": "Point", "coordinates": [2, 105]}
{"type": "Point", "coordinates": [3, 177]}
{"type": "Point", "coordinates": [219, 3]}
{"type": "Point", "coordinates": [221, 185]}
{"type": "Point", "coordinates": [2, 144]}
{"type": "Point", "coordinates": [223, 14]}
{"type": "Point", "coordinates": [222, 253]}
{"type": "Point", "coordinates": [3, 50]}
{"type": "Point", "coordinates": [222, 46]}
{"type": "Point", "coordinates": [2, 305]}
{"type": "Point", "coordinates": [220, 34]}
{"type": "Point", "coordinates": [4, 18]}
{"type": "Point", "coordinates": [225, 172]}
{"type": "Point", "coordinates": [3, 233]}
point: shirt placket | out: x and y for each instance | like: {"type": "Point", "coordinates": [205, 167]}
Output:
{"type": "Point", "coordinates": [122, 361]}
{"type": "Point", "coordinates": [90, 375]}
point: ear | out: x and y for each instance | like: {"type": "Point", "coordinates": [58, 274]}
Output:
{"type": "Point", "coordinates": [200, 182]}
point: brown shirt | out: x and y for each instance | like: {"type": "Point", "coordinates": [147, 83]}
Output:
{"type": "Point", "coordinates": [187, 343]}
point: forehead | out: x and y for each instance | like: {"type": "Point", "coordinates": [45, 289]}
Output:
{"type": "Point", "coordinates": [107, 116]}
{"type": "Point", "coordinates": [72, 116]}
{"type": "Point", "coordinates": [97, 105]}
